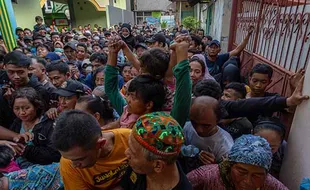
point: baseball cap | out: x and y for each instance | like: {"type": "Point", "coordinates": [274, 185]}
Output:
{"type": "Point", "coordinates": [159, 133]}
{"type": "Point", "coordinates": [159, 37]}
{"type": "Point", "coordinates": [82, 37]}
{"type": "Point", "coordinates": [143, 45]}
{"type": "Point", "coordinates": [107, 33]}
{"type": "Point", "coordinates": [70, 88]}
{"type": "Point", "coordinates": [215, 42]}
{"type": "Point", "coordinates": [28, 38]}
{"type": "Point", "coordinates": [71, 45]}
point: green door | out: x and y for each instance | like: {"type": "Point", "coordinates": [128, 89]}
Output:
{"type": "Point", "coordinates": [209, 19]}
{"type": "Point", "coordinates": [187, 13]}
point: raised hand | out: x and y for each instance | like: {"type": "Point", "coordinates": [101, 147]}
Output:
{"type": "Point", "coordinates": [294, 79]}
{"type": "Point", "coordinates": [116, 44]}
{"type": "Point", "coordinates": [251, 29]}
{"type": "Point", "coordinates": [297, 97]}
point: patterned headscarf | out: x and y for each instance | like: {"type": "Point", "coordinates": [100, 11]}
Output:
{"type": "Point", "coordinates": [253, 150]}
{"type": "Point", "coordinates": [159, 133]}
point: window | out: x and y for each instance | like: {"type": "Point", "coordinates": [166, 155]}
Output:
{"type": "Point", "coordinates": [141, 17]}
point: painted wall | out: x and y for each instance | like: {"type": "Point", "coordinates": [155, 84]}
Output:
{"type": "Point", "coordinates": [152, 5]}
{"type": "Point", "coordinates": [120, 4]}
{"type": "Point", "coordinates": [86, 13]}
{"type": "Point", "coordinates": [25, 12]}
{"type": "Point", "coordinates": [117, 15]}
{"type": "Point", "coordinates": [296, 160]}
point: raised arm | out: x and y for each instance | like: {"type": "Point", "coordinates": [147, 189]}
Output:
{"type": "Point", "coordinates": [243, 44]}
{"type": "Point", "coordinates": [111, 77]}
{"type": "Point", "coordinates": [183, 91]}
{"type": "Point", "coordinates": [131, 57]}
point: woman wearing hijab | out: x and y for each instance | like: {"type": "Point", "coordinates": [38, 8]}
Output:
{"type": "Point", "coordinates": [245, 169]}
{"type": "Point", "coordinates": [198, 69]}
{"type": "Point", "coordinates": [127, 37]}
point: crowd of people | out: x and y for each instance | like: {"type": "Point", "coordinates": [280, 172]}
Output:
{"type": "Point", "coordinates": [135, 108]}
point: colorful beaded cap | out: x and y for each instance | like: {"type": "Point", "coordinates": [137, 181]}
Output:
{"type": "Point", "coordinates": [159, 133]}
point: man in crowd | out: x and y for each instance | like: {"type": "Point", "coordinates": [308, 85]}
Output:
{"type": "Point", "coordinates": [16, 64]}
{"type": "Point", "coordinates": [215, 61]}
{"type": "Point", "coordinates": [154, 145]}
{"type": "Point", "coordinates": [91, 158]}
{"type": "Point", "coordinates": [158, 40]}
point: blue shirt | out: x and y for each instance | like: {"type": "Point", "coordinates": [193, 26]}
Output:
{"type": "Point", "coordinates": [215, 67]}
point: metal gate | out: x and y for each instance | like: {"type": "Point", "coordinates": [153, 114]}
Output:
{"type": "Point", "coordinates": [281, 38]}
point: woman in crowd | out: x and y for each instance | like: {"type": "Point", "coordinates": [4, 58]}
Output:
{"type": "Point", "coordinates": [274, 132]}
{"type": "Point", "coordinates": [29, 110]}
{"type": "Point", "coordinates": [199, 70]}
{"type": "Point", "coordinates": [246, 168]}
{"type": "Point", "coordinates": [99, 76]}
{"type": "Point", "coordinates": [126, 73]}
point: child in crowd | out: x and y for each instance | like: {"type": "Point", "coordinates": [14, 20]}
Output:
{"type": "Point", "coordinates": [146, 91]}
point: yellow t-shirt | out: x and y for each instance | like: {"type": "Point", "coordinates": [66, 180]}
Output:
{"type": "Point", "coordinates": [106, 173]}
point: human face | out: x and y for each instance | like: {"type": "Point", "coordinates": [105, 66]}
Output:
{"type": "Point", "coordinates": [24, 110]}
{"type": "Point", "coordinates": [134, 72]}
{"type": "Point", "coordinates": [42, 52]}
{"type": "Point", "coordinates": [125, 32]}
{"type": "Point", "coordinates": [74, 70]}
{"type": "Point", "coordinates": [70, 53]}
{"type": "Point", "coordinates": [96, 49]}
{"type": "Point", "coordinates": [106, 50]}
{"type": "Point", "coordinates": [67, 103]}
{"type": "Point", "coordinates": [20, 34]}
{"type": "Point", "coordinates": [248, 177]}
{"type": "Point", "coordinates": [196, 71]}
{"type": "Point", "coordinates": [136, 158]}
{"type": "Point", "coordinates": [229, 95]}
{"type": "Point", "coordinates": [37, 69]}
{"type": "Point", "coordinates": [135, 104]}
{"type": "Point", "coordinates": [55, 38]}
{"type": "Point", "coordinates": [213, 50]}
{"type": "Point", "coordinates": [127, 73]}
{"type": "Point", "coordinates": [81, 52]}
{"type": "Point", "coordinates": [200, 34]}
{"type": "Point", "coordinates": [82, 158]}
{"type": "Point", "coordinates": [274, 138]}
{"type": "Point", "coordinates": [258, 84]}
{"type": "Point", "coordinates": [17, 75]}
{"type": "Point", "coordinates": [99, 81]}
{"type": "Point", "coordinates": [27, 33]}
{"type": "Point", "coordinates": [140, 51]}
{"type": "Point", "coordinates": [57, 78]}
{"type": "Point", "coordinates": [42, 33]}
{"type": "Point", "coordinates": [37, 42]}
{"type": "Point", "coordinates": [205, 123]}
{"type": "Point", "coordinates": [96, 64]}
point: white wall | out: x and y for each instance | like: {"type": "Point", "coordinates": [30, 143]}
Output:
{"type": "Point", "coordinates": [221, 22]}
{"type": "Point", "coordinates": [149, 5]}
{"type": "Point", "coordinates": [296, 161]}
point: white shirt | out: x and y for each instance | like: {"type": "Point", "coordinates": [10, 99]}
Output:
{"type": "Point", "coordinates": [218, 144]}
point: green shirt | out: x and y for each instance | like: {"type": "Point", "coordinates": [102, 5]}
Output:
{"type": "Point", "coordinates": [182, 97]}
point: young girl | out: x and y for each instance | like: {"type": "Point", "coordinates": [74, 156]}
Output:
{"type": "Point", "coordinates": [99, 107]}
{"type": "Point", "coordinates": [29, 109]}
{"type": "Point", "coordinates": [146, 92]}
{"type": "Point", "coordinates": [274, 132]}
